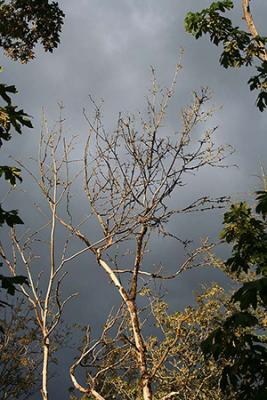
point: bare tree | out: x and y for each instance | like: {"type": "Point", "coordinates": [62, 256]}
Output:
{"type": "Point", "coordinates": [129, 178]}
{"type": "Point", "coordinates": [45, 273]}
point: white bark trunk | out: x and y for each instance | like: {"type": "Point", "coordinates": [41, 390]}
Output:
{"type": "Point", "coordinates": [139, 343]}
{"type": "Point", "coordinates": [141, 354]}
{"type": "Point", "coordinates": [44, 390]}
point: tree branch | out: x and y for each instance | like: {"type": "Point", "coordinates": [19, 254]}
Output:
{"type": "Point", "coordinates": [252, 28]}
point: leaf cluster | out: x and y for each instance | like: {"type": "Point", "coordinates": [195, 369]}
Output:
{"type": "Point", "coordinates": [249, 238]}
{"type": "Point", "coordinates": [8, 283]}
{"type": "Point", "coordinates": [24, 23]}
{"type": "Point", "coordinates": [259, 82]}
{"type": "Point", "coordinates": [245, 350]}
{"type": "Point", "coordinates": [239, 47]}
{"type": "Point", "coordinates": [10, 117]}
{"type": "Point", "coordinates": [11, 218]}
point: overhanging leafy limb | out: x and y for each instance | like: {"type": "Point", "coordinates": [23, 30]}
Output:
{"type": "Point", "coordinates": [240, 48]}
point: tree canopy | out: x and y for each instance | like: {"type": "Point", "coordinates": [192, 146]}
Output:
{"type": "Point", "coordinates": [245, 375]}
{"type": "Point", "coordinates": [240, 47]}
{"type": "Point", "coordinates": [24, 23]}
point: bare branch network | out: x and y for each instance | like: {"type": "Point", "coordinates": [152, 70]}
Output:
{"type": "Point", "coordinates": [130, 178]}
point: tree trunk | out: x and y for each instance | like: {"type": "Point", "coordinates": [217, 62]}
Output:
{"type": "Point", "coordinates": [141, 351]}
{"type": "Point", "coordinates": [44, 390]}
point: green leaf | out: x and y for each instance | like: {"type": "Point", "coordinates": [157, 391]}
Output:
{"type": "Point", "coordinates": [8, 283]}
{"type": "Point", "coordinates": [5, 89]}
{"type": "Point", "coordinates": [11, 218]}
{"type": "Point", "coordinates": [240, 319]}
{"type": "Point", "coordinates": [262, 101]}
{"type": "Point", "coordinates": [11, 174]}
{"type": "Point", "coordinates": [261, 207]}
{"type": "Point", "coordinates": [213, 344]}
{"type": "Point", "coordinates": [250, 292]}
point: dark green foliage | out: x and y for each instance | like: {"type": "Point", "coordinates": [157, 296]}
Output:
{"type": "Point", "coordinates": [8, 283]}
{"type": "Point", "coordinates": [241, 339]}
{"type": "Point", "coordinates": [16, 119]}
{"type": "Point", "coordinates": [252, 294]}
{"type": "Point", "coordinates": [239, 47]}
{"type": "Point", "coordinates": [11, 174]}
{"type": "Point", "coordinates": [259, 81]}
{"type": "Point", "coordinates": [24, 23]}
{"type": "Point", "coordinates": [11, 218]}
{"type": "Point", "coordinates": [5, 90]}
{"type": "Point", "coordinates": [10, 118]}
{"type": "Point", "coordinates": [245, 376]}
{"type": "Point", "coordinates": [249, 237]}
{"type": "Point", "coordinates": [262, 203]}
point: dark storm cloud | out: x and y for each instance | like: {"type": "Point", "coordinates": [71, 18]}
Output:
{"type": "Point", "coordinates": [106, 50]}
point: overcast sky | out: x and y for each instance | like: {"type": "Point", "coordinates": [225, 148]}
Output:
{"type": "Point", "coordinates": [106, 50]}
